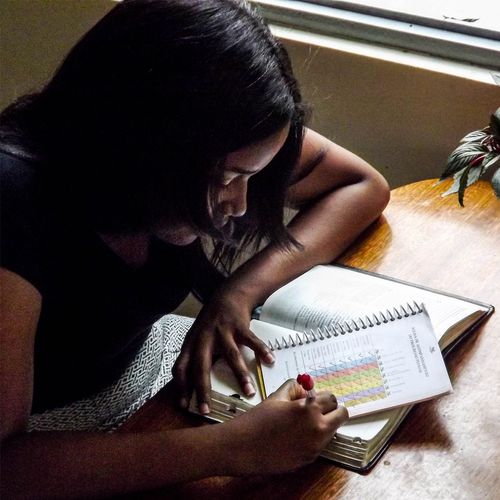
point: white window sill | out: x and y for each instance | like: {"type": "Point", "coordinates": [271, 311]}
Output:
{"type": "Point", "coordinates": [430, 48]}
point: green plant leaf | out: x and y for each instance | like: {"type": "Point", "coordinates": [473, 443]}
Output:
{"type": "Point", "coordinates": [456, 183]}
{"type": "Point", "coordinates": [470, 147]}
{"type": "Point", "coordinates": [476, 153]}
{"type": "Point", "coordinates": [495, 182]}
{"type": "Point", "coordinates": [476, 136]}
{"type": "Point", "coordinates": [489, 160]}
{"type": "Point", "coordinates": [474, 174]}
{"type": "Point", "coordinates": [462, 180]}
{"type": "Point", "coordinates": [463, 185]}
{"type": "Point", "coordinates": [461, 157]}
{"type": "Point", "coordinates": [495, 123]}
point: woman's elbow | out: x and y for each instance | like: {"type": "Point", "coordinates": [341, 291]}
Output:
{"type": "Point", "coordinates": [377, 192]}
{"type": "Point", "coordinates": [382, 191]}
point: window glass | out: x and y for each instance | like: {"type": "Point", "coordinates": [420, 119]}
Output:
{"type": "Point", "coordinates": [465, 31]}
{"type": "Point", "coordinates": [480, 17]}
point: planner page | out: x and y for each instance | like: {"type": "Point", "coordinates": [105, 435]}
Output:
{"type": "Point", "coordinates": [390, 364]}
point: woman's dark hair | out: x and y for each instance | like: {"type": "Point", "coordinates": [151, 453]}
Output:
{"type": "Point", "coordinates": [136, 123]}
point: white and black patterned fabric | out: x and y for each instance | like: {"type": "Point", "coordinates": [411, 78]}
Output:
{"type": "Point", "coordinates": [145, 376]}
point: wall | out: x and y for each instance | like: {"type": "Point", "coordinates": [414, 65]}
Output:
{"type": "Point", "coordinates": [403, 119]}
{"type": "Point", "coordinates": [35, 35]}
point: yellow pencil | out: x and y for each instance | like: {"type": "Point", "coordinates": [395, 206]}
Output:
{"type": "Point", "coordinates": [260, 380]}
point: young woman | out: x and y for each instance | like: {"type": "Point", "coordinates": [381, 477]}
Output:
{"type": "Point", "coordinates": [170, 122]}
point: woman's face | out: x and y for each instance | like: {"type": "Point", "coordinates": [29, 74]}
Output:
{"type": "Point", "coordinates": [231, 194]}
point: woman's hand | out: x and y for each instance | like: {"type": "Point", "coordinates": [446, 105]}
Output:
{"type": "Point", "coordinates": [284, 432]}
{"type": "Point", "coordinates": [337, 196]}
{"type": "Point", "coordinates": [220, 327]}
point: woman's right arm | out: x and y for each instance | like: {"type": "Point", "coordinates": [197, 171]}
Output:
{"type": "Point", "coordinates": [20, 305]}
{"type": "Point", "coordinates": [86, 464]}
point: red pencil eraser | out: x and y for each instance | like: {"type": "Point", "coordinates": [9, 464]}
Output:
{"type": "Point", "coordinates": [306, 381]}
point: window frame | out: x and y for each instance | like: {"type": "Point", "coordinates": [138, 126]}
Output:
{"type": "Point", "coordinates": [407, 34]}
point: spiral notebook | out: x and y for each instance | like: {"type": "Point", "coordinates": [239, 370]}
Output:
{"type": "Point", "coordinates": [384, 360]}
{"type": "Point", "coordinates": [331, 298]}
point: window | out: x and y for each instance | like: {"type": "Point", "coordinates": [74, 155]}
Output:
{"type": "Point", "coordinates": [462, 30]}
{"type": "Point", "coordinates": [478, 17]}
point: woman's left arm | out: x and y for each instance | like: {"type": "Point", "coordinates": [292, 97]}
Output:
{"type": "Point", "coordinates": [337, 195]}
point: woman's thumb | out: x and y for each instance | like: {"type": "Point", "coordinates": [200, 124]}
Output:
{"type": "Point", "coordinates": [289, 391]}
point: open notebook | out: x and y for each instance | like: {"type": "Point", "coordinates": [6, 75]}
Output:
{"type": "Point", "coordinates": [374, 363]}
{"type": "Point", "coordinates": [335, 295]}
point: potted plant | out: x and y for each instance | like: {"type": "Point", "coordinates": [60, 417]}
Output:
{"type": "Point", "coordinates": [476, 156]}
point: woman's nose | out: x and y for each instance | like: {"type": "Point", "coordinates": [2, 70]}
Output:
{"type": "Point", "coordinates": [234, 203]}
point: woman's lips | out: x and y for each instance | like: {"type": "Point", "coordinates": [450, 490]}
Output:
{"type": "Point", "coordinates": [224, 224]}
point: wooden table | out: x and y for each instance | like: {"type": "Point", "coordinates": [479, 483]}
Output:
{"type": "Point", "coordinates": [447, 448]}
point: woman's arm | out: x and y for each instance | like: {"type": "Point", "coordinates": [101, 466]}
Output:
{"type": "Point", "coordinates": [338, 195]}
{"type": "Point", "coordinates": [86, 465]}
{"type": "Point", "coordinates": [20, 305]}
{"type": "Point", "coordinates": [46, 464]}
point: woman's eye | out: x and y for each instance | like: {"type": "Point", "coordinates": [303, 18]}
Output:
{"type": "Point", "coordinates": [227, 180]}
{"type": "Point", "coordinates": [230, 177]}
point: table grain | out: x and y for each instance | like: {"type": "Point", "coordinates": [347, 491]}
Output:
{"type": "Point", "coordinates": [447, 448]}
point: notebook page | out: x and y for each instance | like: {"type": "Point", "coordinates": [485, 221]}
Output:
{"type": "Point", "coordinates": [331, 294]}
{"type": "Point", "coordinates": [386, 366]}
{"type": "Point", "coordinates": [224, 382]}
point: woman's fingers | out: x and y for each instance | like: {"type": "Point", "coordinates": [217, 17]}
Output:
{"type": "Point", "coordinates": [333, 413]}
{"type": "Point", "coordinates": [202, 367]}
{"type": "Point", "coordinates": [181, 376]}
{"type": "Point", "coordinates": [229, 342]}
{"type": "Point", "coordinates": [192, 369]}
{"type": "Point", "coordinates": [236, 361]}
{"type": "Point", "coordinates": [289, 391]}
{"type": "Point", "coordinates": [337, 417]}
{"type": "Point", "coordinates": [258, 346]}
{"type": "Point", "coordinates": [326, 401]}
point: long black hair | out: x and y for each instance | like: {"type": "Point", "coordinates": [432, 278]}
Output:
{"type": "Point", "coordinates": [136, 123]}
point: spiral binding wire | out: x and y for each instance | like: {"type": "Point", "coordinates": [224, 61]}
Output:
{"type": "Point", "coordinates": [336, 329]}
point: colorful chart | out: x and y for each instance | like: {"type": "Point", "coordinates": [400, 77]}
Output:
{"type": "Point", "coordinates": [354, 380]}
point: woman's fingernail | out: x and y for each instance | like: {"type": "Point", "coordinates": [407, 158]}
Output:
{"type": "Point", "coordinates": [269, 357]}
{"type": "Point", "coordinates": [249, 389]}
{"type": "Point", "coordinates": [204, 409]}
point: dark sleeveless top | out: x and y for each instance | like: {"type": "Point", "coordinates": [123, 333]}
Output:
{"type": "Point", "coordinates": [96, 310]}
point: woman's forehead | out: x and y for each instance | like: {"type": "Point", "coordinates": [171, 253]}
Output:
{"type": "Point", "coordinates": [252, 158]}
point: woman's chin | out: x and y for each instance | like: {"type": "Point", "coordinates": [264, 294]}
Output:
{"type": "Point", "coordinates": [184, 240]}
{"type": "Point", "coordinates": [180, 237]}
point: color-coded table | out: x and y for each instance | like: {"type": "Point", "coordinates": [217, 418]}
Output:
{"type": "Point", "coordinates": [353, 381]}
